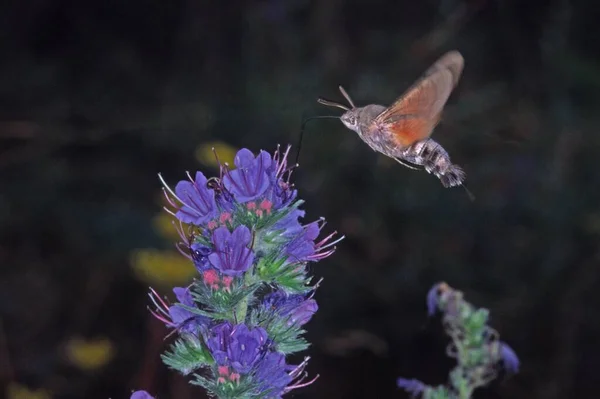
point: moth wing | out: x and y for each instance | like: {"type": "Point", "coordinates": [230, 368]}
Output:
{"type": "Point", "coordinates": [414, 115]}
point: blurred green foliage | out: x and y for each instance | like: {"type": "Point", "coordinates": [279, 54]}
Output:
{"type": "Point", "coordinates": [97, 97]}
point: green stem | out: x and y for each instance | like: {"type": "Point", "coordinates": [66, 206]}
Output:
{"type": "Point", "coordinates": [241, 309]}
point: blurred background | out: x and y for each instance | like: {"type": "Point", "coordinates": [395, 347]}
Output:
{"type": "Point", "coordinates": [97, 97]}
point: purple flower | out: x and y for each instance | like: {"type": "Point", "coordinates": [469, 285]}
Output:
{"type": "Point", "coordinates": [302, 247]}
{"type": "Point", "coordinates": [232, 256]}
{"type": "Point", "coordinates": [183, 319]}
{"type": "Point", "coordinates": [296, 308]}
{"type": "Point", "coordinates": [237, 346]}
{"type": "Point", "coordinates": [250, 180]}
{"type": "Point", "coordinates": [175, 316]}
{"type": "Point", "coordinates": [281, 192]}
{"type": "Point", "coordinates": [247, 347]}
{"type": "Point", "coordinates": [438, 296]}
{"type": "Point", "coordinates": [272, 376]}
{"type": "Point", "coordinates": [432, 300]}
{"type": "Point", "coordinates": [289, 226]}
{"type": "Point", "coordinates": [141, 395]}
{"type": "Point", "coordinates": [199, 255]}
{"type": "Point", "coordinates": [198, 201]}
{"type": "Point", "coordinates": [413, 387]}
{"type": "Point", "coordinates": [217, 341]}
{"type": "Point", "coordinates": [509, 358]}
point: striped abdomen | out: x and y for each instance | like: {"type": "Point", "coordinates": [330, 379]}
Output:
{"type": "Point", "coordinates": [434, 158]}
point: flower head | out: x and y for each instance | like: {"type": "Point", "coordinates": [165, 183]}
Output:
{"type": "Point", "coordinates": [232, 256]}
{"type": "Point", "coordinates": [250, 180]}
{"type": "Point", "coordinates": [237, 346]}
{"type": "Point", "coordinates": [198, 200]}
{"type": "Point", "coordinates": [303, 248]}
{"type": "Point", "coordinates": [296, 308]}
{"type": "Point", "coordinates": [247, 347]}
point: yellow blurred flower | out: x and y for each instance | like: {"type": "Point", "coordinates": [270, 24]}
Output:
{"type": "Point", "coordinates": [163, 224]}
{"type": "Point", "coordinates": [89, 354]}
{"type": "Point", "coordinates": [17, 391]}
{"type": "Point", "coordinates": [226, 153]}
{"type": "Point", "coordinates": [159, 267]}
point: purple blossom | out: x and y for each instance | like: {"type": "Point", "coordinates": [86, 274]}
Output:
{"type": "Point", "coordinates": [246, 348]}
{"type": "Point", "coordinates": [509, 358]}
{"type": "Point", "coordinates": [302, 247]}
{"type": "Point", "coordinates": [432, 299]}
{"type": "Point", "coordinates": [281, 192]}
{"type": "Point", "coordinates": [198, 201]}
{"type": "Point", "coordinates": [141, 395]}
{"type": "Point", "coordinates": [217, 341]}
{"type": "Point", "coordinates": [237, 346]}
{"type": "Point", "coordinates": [250, 180]}
{"type": "Point", "coordinates": [199, 254]}
{"type": "Point", "coordinates": [297, 308]}
{"type": "Point", "coordinates": [183, 319]}
{"type": "Point", "coordinates": [175, 316]}
{"type": "Point", "coordinates": [272, 376]}
{"type": "Point", "coordinates": [289, 226]}
{"type": "Point", "coordinates": [232, 256]}
{"type": "Point", "coordinates": [413, 387]}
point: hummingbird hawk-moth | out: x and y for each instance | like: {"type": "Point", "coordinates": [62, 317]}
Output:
{"type": "Point", "coordinates": [401, 131]}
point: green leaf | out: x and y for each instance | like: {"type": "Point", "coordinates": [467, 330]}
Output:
{"type": "Point", "coordinates": [187, 354]}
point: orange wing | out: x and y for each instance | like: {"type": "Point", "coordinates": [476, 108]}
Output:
{"type": "Point", "coordinates": [414, 115]}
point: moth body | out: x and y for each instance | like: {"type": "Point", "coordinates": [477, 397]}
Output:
{"type": "Point", "coordinates": [402, 131]}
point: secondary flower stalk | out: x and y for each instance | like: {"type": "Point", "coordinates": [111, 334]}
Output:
{"type": "Point", "coordinates": [475, 346]}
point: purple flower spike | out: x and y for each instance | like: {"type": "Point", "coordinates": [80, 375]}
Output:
{"type": "Point", "coordinates": [509, 358]}
{"type": "Point", "coordinates": [232, 256]}
{"type": "Point", "coordinates": [141, 395]}
{"type": "Point", "coordinates": [413, 387]}
{"type": "Point", "coordinates": [199, 204]}
{"type": "Point", "coordinates": [250, 180]}
{"type": "Point", "coordinates": [246, 348]}
{"type": "Point", "coordinates": [297, 308]}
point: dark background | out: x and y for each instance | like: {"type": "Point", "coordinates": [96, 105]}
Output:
{"type": "Point", "coordinates": [96, 97]}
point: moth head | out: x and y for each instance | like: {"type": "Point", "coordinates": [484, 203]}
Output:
{"type": "Point", "coordinates": [350, 117]}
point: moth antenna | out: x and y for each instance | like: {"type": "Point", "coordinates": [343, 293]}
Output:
{"type": "Point", "coordinates": [347, 97]}
{"type": "Point", "coordinates": [332, 104]}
